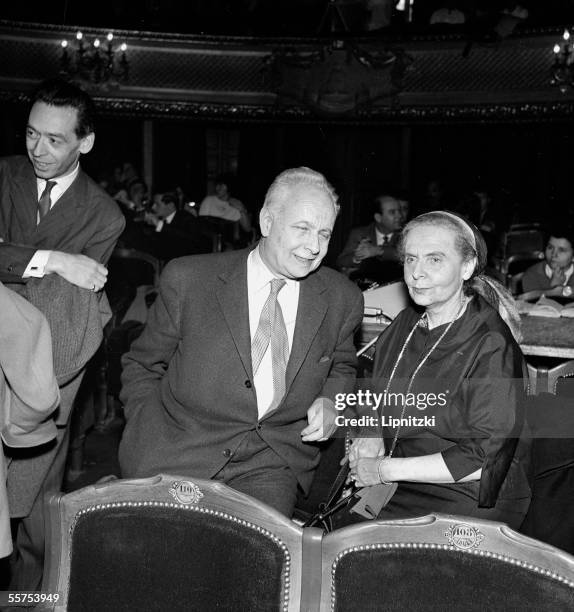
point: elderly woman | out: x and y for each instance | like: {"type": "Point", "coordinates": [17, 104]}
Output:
{"type": "Point", "coordinates": [454, 350]}
{"type": "Point", "coordinates": [555, 275]}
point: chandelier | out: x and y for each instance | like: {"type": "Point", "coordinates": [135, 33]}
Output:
{"type": "Point", "coordinates": [340, 76]}
{"type": "Point", "coordinates": [563, 67]}
{"type": "Point", "coordinates": [97, 64]}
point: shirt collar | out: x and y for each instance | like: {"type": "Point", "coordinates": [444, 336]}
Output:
{"type": "Point", "coordinates": [62, 182]}
{"type": "Point", "coordinates": [381, 235]}
{"type": "Point", "coordinates": [259, 274]}
{"type": "Point", "coordinates": [170, 217]}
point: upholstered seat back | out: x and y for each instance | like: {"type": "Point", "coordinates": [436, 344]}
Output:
{"type": "Point", "coordinates": [442, 562]}
{"type": "Point", "coordinates": [163, 558]}
{"type": "Point", "coordinates": [166, 543]}
{"type": "Point", "coordinates": [429, 578]}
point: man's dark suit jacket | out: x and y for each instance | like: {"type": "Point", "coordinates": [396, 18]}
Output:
{"type": "Point", "coordinates": [188, 392]}
{"type": "Point", "coordinates": [383, 268]}
{"type": "Point", "coordinates": [84, 220]}
{"type": "Point", "coordinates": [183, 236]}
{"type": "Point", "coordinates": [345, 259]}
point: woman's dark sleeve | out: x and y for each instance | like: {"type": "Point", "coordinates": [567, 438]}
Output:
{"type": "Point", "coordinates": [491, 405]}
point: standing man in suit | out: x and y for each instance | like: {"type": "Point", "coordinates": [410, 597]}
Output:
{"type": "Point", "coordinates": [234, 376]}
{"type": "Point", "coordinates": [371, 250]}
{"type": "Point", "coordinates": [57, 230]}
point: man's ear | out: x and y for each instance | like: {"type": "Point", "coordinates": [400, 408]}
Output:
{"type": "Point", "coordinates": [265, 221]}
{"type": "Point", "coordinates": [377, 217]}
{"type": "Point", "coordinates": [87, 142]}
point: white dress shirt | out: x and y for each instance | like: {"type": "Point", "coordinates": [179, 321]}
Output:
{"type": "Point", "coordinates": [39, 260]}
{"type": "Point", "coordinates": [212, 206]}
{"type": "Point", "coordinates": [381, 237]}
{"type": "Point", "coordinates": [166, 221]}
{"type": "Point", "coordinates": [259, 279]}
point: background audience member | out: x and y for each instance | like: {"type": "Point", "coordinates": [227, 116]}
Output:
{"type": "Point", "coordinates": [449, 14]}
{"type": "Point", "coordinates": [28, 388]}
{"type": "Point", "coordinates": [371, 250]}
{"type": "Point", "coordinates": [435, 196]}
{"type": "Point", "coordinates": [222, 205]}
{"type": "Point", "coordinates": [556, 273]}
{"type": "Point", "coordinates": [405, 206]}
{"type": "Point", "coordinates": [379, 14]}
{"type": "Point", "coordinates": [176, 233]}
{"type": "Point", "coordinates": [475, 207]}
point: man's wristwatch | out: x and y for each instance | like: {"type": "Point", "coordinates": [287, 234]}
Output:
{"type": "Point", "coordinates": [566, 291]}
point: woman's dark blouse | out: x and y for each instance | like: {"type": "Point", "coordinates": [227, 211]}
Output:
{"type": "Point", "coordinates": [479, 367]}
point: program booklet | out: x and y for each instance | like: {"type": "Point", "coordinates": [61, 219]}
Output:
{"type": "Point", "coordinates": [546, 307]}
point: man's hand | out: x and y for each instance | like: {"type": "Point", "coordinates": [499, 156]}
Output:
{"type": "Point", "coordinates": [366, 249]}
{"type": "Point", "coordinates": [151, 219]}
{"type": "Point", "coordinates": [79, 270]}
{"type": "Point", "coordinates": [321, 416]}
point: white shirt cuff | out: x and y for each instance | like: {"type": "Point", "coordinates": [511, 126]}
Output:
{"type": "Point", "coordinates": [37, 264]}
{"type": "Point", "coordinates": [159, 226]}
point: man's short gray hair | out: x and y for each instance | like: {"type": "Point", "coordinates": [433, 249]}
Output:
{"type": "Point", "coordinates": [285, 182]}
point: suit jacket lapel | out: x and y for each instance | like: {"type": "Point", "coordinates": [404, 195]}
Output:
{"type": "Point", "coordinates": [65, 211]}
{"type": "Point", "coordinates": [310, 314]}
{"type": "Point", "coordinates": [232, 297]}
{"type": "Point", "coordinates": [24, 195]}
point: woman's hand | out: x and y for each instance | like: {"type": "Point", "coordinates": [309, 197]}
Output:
{"type": "Point", "coordinates": [363, 451]}
{"type": "Point", "coordinates": [366, 473]}
{"type": "Point", "coordinates": [365, 447]}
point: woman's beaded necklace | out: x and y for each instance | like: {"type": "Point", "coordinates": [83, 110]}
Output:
{"type": "Point", "coordinates": [419, 366]}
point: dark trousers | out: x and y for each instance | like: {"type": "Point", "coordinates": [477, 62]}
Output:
{"type": "Point", "coordinates": [27, 562]}
{"type": "Point", "coordinates": [257, 470]}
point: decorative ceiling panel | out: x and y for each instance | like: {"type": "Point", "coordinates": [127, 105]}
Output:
{"type": "Point", "coordinates": [197, 71]}
{"type": "Point", "coordinates": [506, 67]}
{"type": "Point", "coordinates": [334, 80]}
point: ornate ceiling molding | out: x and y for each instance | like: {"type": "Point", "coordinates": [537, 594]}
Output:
{"type": "Point", "coordinates": [229, 78]}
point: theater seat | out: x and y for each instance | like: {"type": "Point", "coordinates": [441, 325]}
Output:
{"type": "Point", "coordinates": [442, 562]}
{"type": "Point", "coordinates": [170, 543]}
{"type": "Point", "coordinates": [550, 517]}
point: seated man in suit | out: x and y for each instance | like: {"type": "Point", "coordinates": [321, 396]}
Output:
{"type": "Point", "coordinates": [227, 215]}
{"type": "Point", "coordinates": [371, 250]}
{"type": "Point", "coordinates": [177, 233]}
{"type": "Point", "coordinates": [235, 373]}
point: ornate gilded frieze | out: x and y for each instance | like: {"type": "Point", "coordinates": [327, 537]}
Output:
{"type": "Point", "coordinates": [349, 80]}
